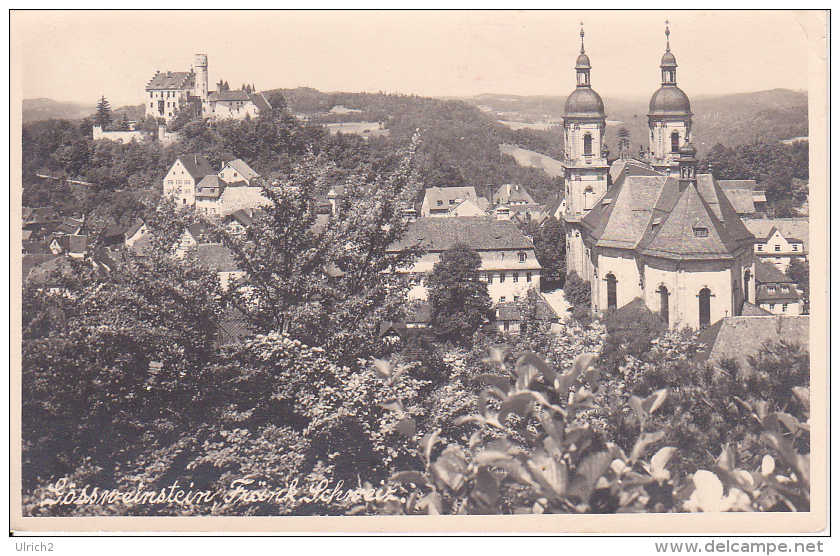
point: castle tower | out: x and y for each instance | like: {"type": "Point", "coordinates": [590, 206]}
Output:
{"type": "Point", "coordinates": [202, 83]}
{"type": "Point", "coordinates": [585, 162]}
{"type": "Point", "coordinates": [669, 117]}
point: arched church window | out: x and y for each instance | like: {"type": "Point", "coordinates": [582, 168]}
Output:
{"type": "Point", "coordinates": [587, 145]}
{"type": "Point", "coordinates": [612, 291]}
{"type": "Point", "coordinates": [705, 298]}
{"type": "Point", "coordinates": [663, 302]}
{"type": "Point", "coordinates": [675, 142]}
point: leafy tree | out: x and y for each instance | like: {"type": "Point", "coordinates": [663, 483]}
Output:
{"type": "Point", "coordinates": [630, 333]}
{"type": "Point", "coordinates": [459, 299]}
{"type": "Point", "coordinates": [799, 271]}
{"type": "Point", "coordinates": [550, 247]}
{"type": "Point", "coordinates": [103, 113]}
{"type": "Point", "coordinates": [577, 291]}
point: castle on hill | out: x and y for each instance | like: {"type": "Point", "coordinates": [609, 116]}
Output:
{"type": "Point", "coordinates": [168, 92]}
{"type": "Point", "coordinates": [656, 230]}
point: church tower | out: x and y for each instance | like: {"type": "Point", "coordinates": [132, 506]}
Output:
{"type": "Point", "coordinates": [585, 162]}
{"type": "Point", "coordinates": [669, 117]}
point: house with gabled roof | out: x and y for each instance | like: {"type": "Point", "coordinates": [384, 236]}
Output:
{"type": "Point", "coordinates": [775, 292]}
{"type": "Point", "coordinates": [207, 193]}
{"type": "Point", "coordinates": [509, 264]}
{"type": "Point", "coordinates": [747, 200]}
{"type": "Point", "coordinates": [739, 338]}
{"type": "Point", "coordinates": [237, 172]}
{"type": "Point", "coordinates": [438, 201]}
{"type": "Point", "coordinates": [183, 177]}
{"type": "Point", "coordinates": [780, 240]}
{"type": "Point", "coordinates": [137, 230]}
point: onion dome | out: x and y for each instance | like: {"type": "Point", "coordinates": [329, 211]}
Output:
{"type": "Point", "coordinates": [669, 100]}
{"type": "Point", "coordinates": [688, 151]}
{"type": "Point", "coordinates": [584, 102]}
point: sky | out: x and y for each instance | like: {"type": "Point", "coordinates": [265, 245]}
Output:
{"type": "Point", "coordinates": [80, 56]}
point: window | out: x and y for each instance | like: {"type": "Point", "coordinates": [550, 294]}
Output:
{"type": "Point", "coordinates": [795, 247]}
{"type": "Point", "coordinates": [179, 182]}
{"type": "Point", "coordinates": [784, 306]}
{"type": "Point", "coordinates": [777, 248]}
{"type": "Point", "coordinates": [701, 232]}
{"type": "Point", "coordinates": [515, 277]}
{"type": "Point", "coordinates": [522, 257]}
{"type": "Point", "coordinates": [772, 306]}
{"type": "Point", "coordinates": [527, 276]}
{"type": "Point", "coordinates": [785, 289]}
{"type": "Point", "coordinates": [501, 277]}
{"type": "Point", "coordinates": [507, 324]}
{"type": "Point", "coordinates": [489, 277]}
{"type": "Point", "coordinates": [451, 201]}
{"type": "Point", "coordinates": [663, 303]}
{"type": "Point", "coordinates": [587, 145]}
{"type": "Point", "coordinates": [675, 142]}
{"type": "Point", "coordinates": [705, 299]}
{"type": "Point", "coordinates": [440, 203]}
{"type": "Point", "coordinates": [760, 247]}
{"type": "Point", "coordinates": [771, 289]}
{"type": "Point", "coordinates": [170, 182]}
{"type": "Point", "coordinates": [612, 293]}
{"type": "Point", "coordinates": [502, 299]}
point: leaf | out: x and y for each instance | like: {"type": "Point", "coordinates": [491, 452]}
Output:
{"type": "Point", "coordinates": [768, 465]}
{"type": "Point", "coordinates": [653, 401]}
{"type": "Point", "coordinates": [525, 375]}
{"type": "Point", "coordinates": [555, 429]}
{"type": "Point", "coordinates": [789, 421]}
{"type": "Point", "coordinates": [804, 395]}
{"type": "Point", "coordinates": [582, 363]}
{"type": "Point", "coordinates": [588, 472]}
{"type": "Point", "coordinates": [552, 475]}
{"type": "Point", "coordinates": [644, 441]}
{"type": "Point", "coordinates": [428, 442]}
{"type": "Point", "coordinates": [383, 368]}
{"type": "Point", "coordinates": [393, 404]}
{"type": "Point", "coordinates": [497, 381]}
{"type": "Point", "coordinates": [660, 459]}
{"type": "Point", "coordinates": [708, 490]}
{"type": "Point", "coordinates": [519, 404]}
{"type": "Point", "coordinates": [450, 467]}
{"type": "Point", "coordinates": [542, 366]}
{"type": "Point", "coordinates": [490, 458]}
{"type": "Point", "coordinates": [409, 477]}
{"type": "Point", "coordinates": [726, 460]}
{"type": "Point", "coordinates": [497, 356]}
{"type": "Point", "coordinates": [406, 427]}
{"type": "Point", "coordinates": [430, 503]}
{"type": "Point", "coordinates": [636, 406]}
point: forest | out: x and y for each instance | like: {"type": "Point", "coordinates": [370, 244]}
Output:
{"type": "Point", "coordinates": [128, 389]}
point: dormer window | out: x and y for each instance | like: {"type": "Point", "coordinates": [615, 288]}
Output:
{"type": "Point", "coordinates": [701, 232]}
{"type": "Point", "coordinates": [522, 257]}
{"type": "Point", "coordinates": [785, 289]}
{"type": "Point", "coordinates": [771, 289]}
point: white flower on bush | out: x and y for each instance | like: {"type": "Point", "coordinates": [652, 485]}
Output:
{"type": "Point", "coordinates": [708, 495]}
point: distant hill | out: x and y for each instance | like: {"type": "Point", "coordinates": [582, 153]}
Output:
{"type": "Point", "coordinates": [40, 109]}
{"type": "Point", "coordinates": [773, 115]}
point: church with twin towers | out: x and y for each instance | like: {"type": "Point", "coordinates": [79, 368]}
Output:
{"type": "Point", "coordinates": [654, 230]}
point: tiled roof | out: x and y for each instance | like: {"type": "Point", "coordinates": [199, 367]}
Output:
{"type": "Point", "coordinates": [243, 216]}
{"type": "Point", "coordinates": [201, 232]}
{"type": "Point", "coordinates": [196, 165]}
{"type": "Point", "coordinates": [177, 80]}
{"type": "Point", "coordinates": [31, 261]}
{"type": "Point", "coordinates": [766, 273]}
{"type": "Point", "coordinates": [35, 247]}
{"type": "Point", "coordinates": [214, 256]}
{"type": "Point", "coordinates": [657, 216]}
{"type": "Point", "coordinates": [435, 234]}
{"type": "Point", "coordinates": [210, 186]}
{"type": "Point", "coordinates": [791, 228]}
{"type": "Point", "coordinates": [228, 95]}
{"type": "Point", "coordinates": [47, 273]}
{"type": "Point", "coordinates": [447, 194]}
{"type": "Point", "coordinates": [512, 193]}
{"type": "Point", "coordinates": [737, 184]}
{"type": "Point", "coordinates": [509, 311]}
{"type": "Point", "coordinates": [243, 169]}
{"type": "Point", "coordinates": [764, 295]}
{"type": "Point", "coordinates": [138, 223]}
{"type": "Point", "coordinates": [77, 244]}
{"type": "Point", "coordinates": [741, 337]}
{"type": "Point", "coordinates": [260, 102]}
{"type": "Point", "coordinates": [750, 310]}
{"type": "Point", "coordinates": [233, 326]}
{"type": "Point", "coordinates": [741, 199]}
{"type": "Point", "coordinates": [631, 167]}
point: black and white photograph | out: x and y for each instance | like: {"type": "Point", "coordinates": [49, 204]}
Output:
{"type": "Point", "coordinates": [466, 271]}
